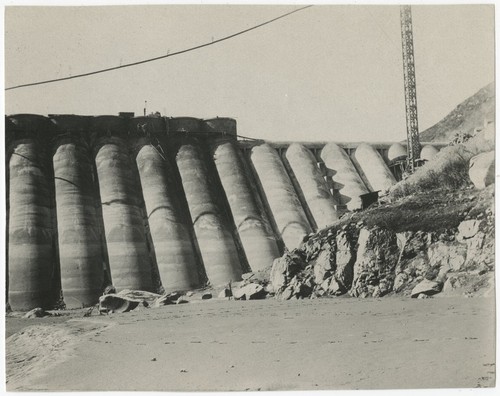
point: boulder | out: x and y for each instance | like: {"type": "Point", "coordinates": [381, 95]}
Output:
{"type": "Point", "coordinates": [400, 281]}
{"type": "Point", "coordinates": [284, 269]}
{"type": "Point", "coordinates": [287, 293]}
{"type": "Point", "coordinates": [303, 291]}
{"type": "Point", "coordinates": [127, 300]}
{"type": "Point", "coordinates": [410, 243]}
{"type": "Point", "coordinates": [110, 303]}
{"type": "Point", "coordinates": [482, 169]}
{"type": "Point", "coordinates": [376, 260]}
{"type": "Point", "coordinates": [359, 286]}
{"type": "Point", "coordinates": [323, 265]}
{"type": "Point", "coordinates": [166, 299]}
{"type": "Point", "coordinates": [443, 274]}
{"type": "Point", "coordinates": [417, 266]}
{"type": "Point", "coordinates": [384, 287]}
{"type": "Point", "coordinates": [247, 275]}
{"type": "Point", "coordinates": [308, 281]}
{"type": "Point", "coordinates": [269, 290]}
{"type": "Point", "coordinates": [480, 250]}
{"type": "Point", "coordinates": [278, 277]}
{"type": "Point", "coordinates": [161, 301]}
{"type": "Point", "coordinates": [36, 313]}
{"type": "Point", "coordinates": [345, 257]}
{"type": "Point", "coordinates": [142, 296]}
{"type": "Point", "coordinates": [450, 284]}
{"type": "Point", "coordinates": [206, 296]}
{"type": "Point", "coordinates": [449, 255]}
{"type": "Point", "coordinates": [402, 239]}
{"type": "Point", "coordinates": [335, 288]}
{"type": "Point", "coordinates": [174, 296]}
{"type": "Point", "coordinates": [426, 287]}
{"type": "Point", "coordinates": [311, 248]}
{"type": "Point", "coordinates": [467, 229]}
{"type": "Point", "coordinates": [261, 277]}
{"type": "Point", "coordinates": [252, 291]}
{"type": "Point", "coordinates": [297, 288]}
{"type": "Point", "coordinates": [413, 260]}
{"type": "Point", "coordinates": [109, 289]}
{"type": "Point", "coordinates": [325, 284]}
{"type": "Point", "coordinates": [469, 284]}
{"type": "Point", "coordinates": [233, 285]}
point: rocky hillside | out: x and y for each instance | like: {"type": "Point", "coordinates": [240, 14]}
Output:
{"type": "Point", "coordinates": [467, 116]}
{"type": "Point", "coordinates": [430, 243]}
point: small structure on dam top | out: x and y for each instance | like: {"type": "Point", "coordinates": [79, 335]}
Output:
{"type": "Point", "coordinates": [164, 204]}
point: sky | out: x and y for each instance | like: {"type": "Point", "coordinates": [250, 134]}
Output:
{"type": "Point", "coordinates": [329, 72]}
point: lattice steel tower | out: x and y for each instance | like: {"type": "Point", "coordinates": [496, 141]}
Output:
{"type": "Point", "coordinates": [410, 88]}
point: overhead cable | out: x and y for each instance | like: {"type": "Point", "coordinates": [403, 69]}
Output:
{"type": "Point", "coordinates": [158, 57]}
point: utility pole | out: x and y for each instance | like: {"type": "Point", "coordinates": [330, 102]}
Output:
{"type": "Point", "coordinates": [410, 88]}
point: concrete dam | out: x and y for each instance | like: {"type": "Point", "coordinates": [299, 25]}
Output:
{"type": "Point", "coordinates": [165, 204]}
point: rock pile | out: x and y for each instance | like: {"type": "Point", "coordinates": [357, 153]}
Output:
{"type": "Point", "coordinates": [321, 266]}
{"type": "Point", "coordinates": [254, 286]}
{"type": "Point", "coordinates": [482, 169]}
{"type": "Point", "coordinates": [373, 262]}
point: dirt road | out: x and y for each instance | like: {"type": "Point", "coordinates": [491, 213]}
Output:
{"type": "Point", "coordinates": [341, 343]}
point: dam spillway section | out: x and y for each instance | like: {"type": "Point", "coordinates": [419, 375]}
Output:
{"type": "Point", "coordinates": [165, 204]}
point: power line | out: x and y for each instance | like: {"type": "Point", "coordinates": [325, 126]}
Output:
{"type": "Point", "coordinates": [159, 57]}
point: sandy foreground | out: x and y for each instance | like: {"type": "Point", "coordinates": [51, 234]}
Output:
{"type": "Point", "coordinates": [218, 345]}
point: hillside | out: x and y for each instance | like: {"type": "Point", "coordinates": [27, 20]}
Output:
{"type": "Point", "coordinates": [468, 115]}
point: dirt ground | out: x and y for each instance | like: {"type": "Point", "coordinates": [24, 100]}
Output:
{"type": "Point", "coordinates": [214, 345]}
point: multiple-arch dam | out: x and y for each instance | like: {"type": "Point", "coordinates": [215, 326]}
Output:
{"type": "Point", "coordinates": [165, 204]}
